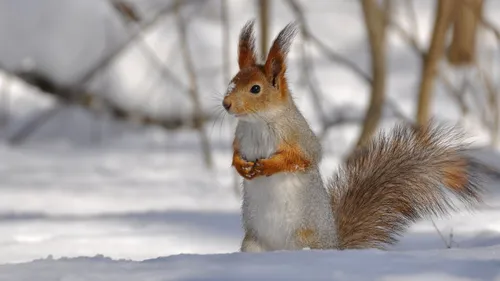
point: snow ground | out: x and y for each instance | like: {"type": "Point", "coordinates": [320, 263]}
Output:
{"type": "Point", "coordinates": [138, 204]}
{"type": "Point", "coordinates": [85, 186]}
{"type": "Point", "coordinates": [452, 265]}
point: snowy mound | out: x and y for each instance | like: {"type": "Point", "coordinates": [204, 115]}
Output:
{"type": "Point", "coordinates": [451, 265]}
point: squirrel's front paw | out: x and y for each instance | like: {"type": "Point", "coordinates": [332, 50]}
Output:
{"type": "Point", "coordinates": [244, 168]}
{"type": "Point", "coordinates": [263, 167]}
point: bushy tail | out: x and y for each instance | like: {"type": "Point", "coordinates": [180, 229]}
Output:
{"type": "Point", "coordinates": [400, 177]}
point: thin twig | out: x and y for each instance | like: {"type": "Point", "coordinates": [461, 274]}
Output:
{"type": "Point", "coordinates": [5, 101]}
{"type": "Point", "coordinates": [330, 54]}
{"type": "Point", "coordinates": [412, 14]}
{"type": "Point", "coordinates": [111, 58]}
{"type": "Point", "coordinates": [226, 42]}
{"type": "Point", "coordinates": [34, 124]}
{"type": "Point", "coordinates": [309, 80]}
{"type": "Point", "coordinates": [226, 67]}
{"type": "Point", "coordinates": [457, 94]}
{"type": "Point", "coordinates": [375, 22]}
{"type": "Point", "coordinates": [492, 102]}
{"type": "Point", "coordinates": [411, 39]}
{"type": "Point", "coordinates": [484, 21]}
{"type": "Point", "coordinates": [446, 243]}
{"type": "Point", "coordinates": [79, 85]}
{"type": "Point", "coordinates": [193, 88]}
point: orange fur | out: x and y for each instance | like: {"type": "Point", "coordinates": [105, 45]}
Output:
{"type": "Point", "coordinates": [456, 177]}
{"type": "Point", "coordinates": [243, 102]}
{"type": "Point", "coordinates": [270, 76]}
{"type": "Point", "coordinates": [307, 237]}
{"type": "Point", "coordinates": [242, 166]}
{"type": "Point", "coordinates": [288, 158]}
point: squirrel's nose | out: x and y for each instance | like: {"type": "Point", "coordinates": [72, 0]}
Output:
{"type": "Point", "coordinates": [226, 104]}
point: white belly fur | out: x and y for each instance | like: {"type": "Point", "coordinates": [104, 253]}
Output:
{"type": "Point", "coordinates": [272, 206]}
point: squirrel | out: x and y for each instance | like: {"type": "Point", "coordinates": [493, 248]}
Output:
{"type": "Point", "coordinates": [396, 179]}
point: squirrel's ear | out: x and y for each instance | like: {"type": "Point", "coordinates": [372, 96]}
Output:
{"type": "Point", "coordinates": [275, 66]}
{"type": "Point", "coordinates": [246, 46]}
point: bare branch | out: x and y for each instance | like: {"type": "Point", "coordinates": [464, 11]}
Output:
{"type": "Point", "coordinates": [127, 10]}
{"type": "Point", "coordinates": [446, 243]}
{"type": "Point", "coordinates": [411, 39]}
{"type": "Point", "coordinates": [34, 124]}
{"type": "Point", "coordinates": [457, 94]}
{"type": "Point", "coordinates": [193, 88]}
{"type": "Point", "coordinates": [226, 59]}
{"type": "Point", "coordinates": [375, 23]}
{"type": "Point", "coordinates": [226, 42]}
{"type": "Point", "coordinates": [484, 21]}
{"type": "Point", "coordinates": [442, 23]}
{"type": "Point", "coordinates": [412, 14]}
{"type": "Point", "coordinates": [94, 102]}
{"type": "Point", "coordinates": [113, 55]}
{"type": "Point", "coordinates": [462, 49]}
{"type": "Point", "coordinates": [492, 102]}
{"type": "Point", "coordinates": [330, 54]}
{"type": "Point", "coordinates": [306, 67]}
{"type": "Point", "coordinates": [5, 101]}
{"type": "Point", "coordinates": [264, 6]}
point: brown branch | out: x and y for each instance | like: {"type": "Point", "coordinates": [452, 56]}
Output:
{"type": "Point", "coordinates": [264, 6]}
{"type": "Point", "coordinates": [442, 23]}
{"type": "Point", "coordinates": [484, 21]}
{"type": "Point", "coordinates": [376, 26]}
{"type": "Point", "coordinates": [462, 50]}
{"type": "Point", "coordinates": [93, 102]}
{"type": "Point", "coordinates": [193, 85]}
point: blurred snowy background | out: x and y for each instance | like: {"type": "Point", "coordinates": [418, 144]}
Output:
{"type": "Point", "coordinates": [113, 142]}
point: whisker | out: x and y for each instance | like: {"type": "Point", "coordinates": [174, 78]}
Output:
{"type": "Point", "coordinates": [221, 123]}
{"type": "Point", "coordinates": [220, 112]}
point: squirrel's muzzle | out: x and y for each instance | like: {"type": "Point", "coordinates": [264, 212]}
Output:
{"type": "Point", "coordinates": [226, 104]}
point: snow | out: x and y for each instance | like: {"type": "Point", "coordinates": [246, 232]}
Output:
{"type": "Point", "coordinates": [452, 265]}
{"type": "Point", "coordinates": [87, 198]}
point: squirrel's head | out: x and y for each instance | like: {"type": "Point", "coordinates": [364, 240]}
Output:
{"type": "Point", "coordinates": [258, 90]}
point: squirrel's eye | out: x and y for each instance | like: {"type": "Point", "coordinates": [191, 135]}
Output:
{"type": "Point", "coordinates": [255, 89]}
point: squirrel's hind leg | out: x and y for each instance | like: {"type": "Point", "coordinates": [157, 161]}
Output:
{"type": "Point", "coordinates": [251, 245]}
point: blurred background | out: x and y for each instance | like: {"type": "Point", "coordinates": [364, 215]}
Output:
{"type": "Point", "coordinates": [112, 136]}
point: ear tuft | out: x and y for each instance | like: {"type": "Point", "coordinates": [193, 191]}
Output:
{"type": "Point", "coordinates": [285, 38]}
{"type": "Point", "coordinates": [246, 46]}
{"type": "Point", "coordinates": [275, 65]}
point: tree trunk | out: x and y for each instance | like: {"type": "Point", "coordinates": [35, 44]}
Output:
{"type": "Point", "coordinates": [376, 25]}
{"type": "Point", "coordinates": [463, 45]}
{"type": "Point", "coordinates": [264, 26]}
{"type": "Point", "coordinates": [444, 13]}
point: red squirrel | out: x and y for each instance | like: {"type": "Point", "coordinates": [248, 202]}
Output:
{"type": "Point", "coordinates": [398, 178]}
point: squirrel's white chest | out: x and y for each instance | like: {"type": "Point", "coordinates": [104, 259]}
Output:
{"type": "Point", "coordinates": [256, 141]}
{"type": "Point", "coordinates": [271, 208]}
{"type": "Point", "coordinates": [271, 205]}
